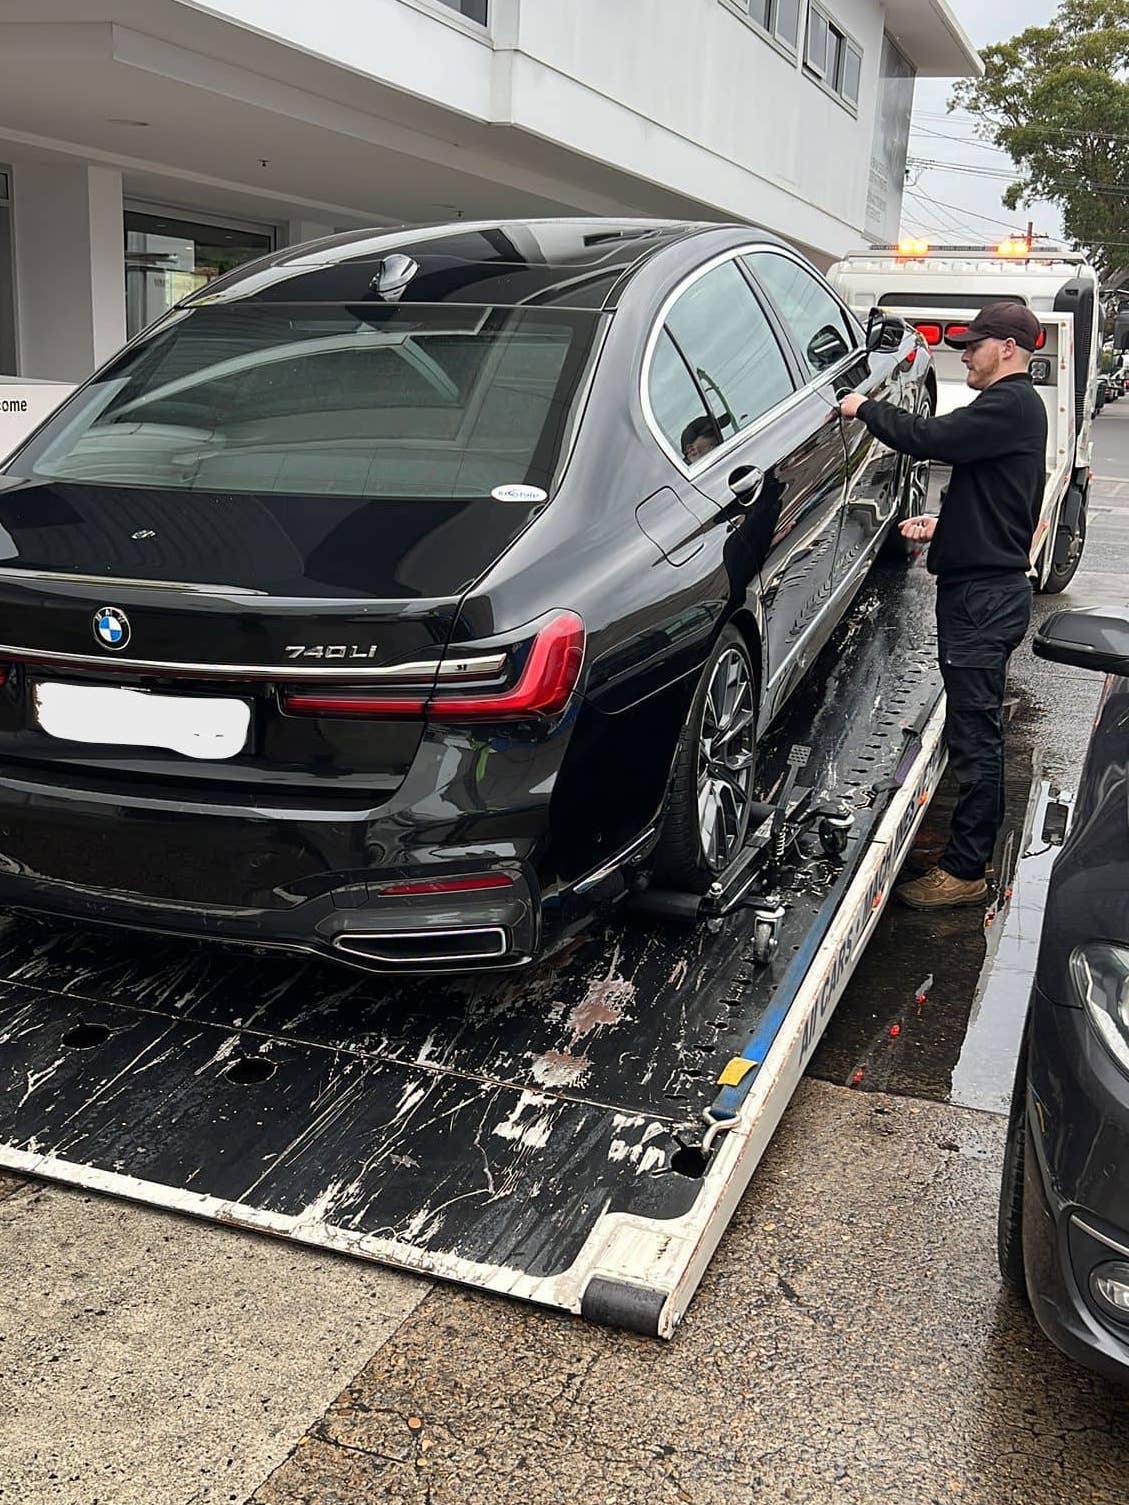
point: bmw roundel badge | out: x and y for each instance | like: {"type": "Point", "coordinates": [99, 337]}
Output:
{"type": "Point", "coordinates": [111, 627]}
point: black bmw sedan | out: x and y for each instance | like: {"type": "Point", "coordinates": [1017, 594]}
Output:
{"type": "Point", "coordinates": [1064, 1198]}
{"type": "Point", "coordinates": [392, 597]}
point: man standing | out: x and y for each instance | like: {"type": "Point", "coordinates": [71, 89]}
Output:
{"type": "Point", "coordinates": [980, 554]}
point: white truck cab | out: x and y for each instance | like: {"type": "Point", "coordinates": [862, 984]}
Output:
{"type": "Point", "coordinates": [940, 289]}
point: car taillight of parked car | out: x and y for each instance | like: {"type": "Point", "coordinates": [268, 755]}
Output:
{"type": "Point", "coordinates": [550, 664]}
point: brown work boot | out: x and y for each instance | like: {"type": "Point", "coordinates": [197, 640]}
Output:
{"type": "Point", "coordinates": [937, 889]}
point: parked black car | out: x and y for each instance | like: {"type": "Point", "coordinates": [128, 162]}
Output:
{"type": "Point", "coordinates": [393, 595]}
{"type": "Point", "coordinates": [1064, 1199]}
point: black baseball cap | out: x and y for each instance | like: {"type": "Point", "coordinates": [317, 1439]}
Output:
{"type": "Point", "coordinates": [1001, 321]}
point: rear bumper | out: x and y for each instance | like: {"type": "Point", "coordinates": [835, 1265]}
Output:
{"type": "Point", "coordinates": [304, 879]}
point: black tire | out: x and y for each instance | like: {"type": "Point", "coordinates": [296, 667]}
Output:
{"type": "Point", "coordinates": [1067, 548]}
{"type": "Point", "coordinates": [684, 859]}
{"type": "Point", "coordinates": [913, 496]}
{"type": "Point", "coordinates": [1009, 1221]}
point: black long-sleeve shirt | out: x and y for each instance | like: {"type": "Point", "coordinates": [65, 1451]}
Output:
{"type": "Point", "coordinates": [997, 447]}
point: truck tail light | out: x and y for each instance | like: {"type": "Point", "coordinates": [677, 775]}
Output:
{"type": "Point", "coordinates": [550, 665]}
{"type": "Point", "coordinates": [930, 333]}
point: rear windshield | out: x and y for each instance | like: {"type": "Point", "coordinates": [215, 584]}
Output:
{"type": "Point", "coordinates": [437, 402]}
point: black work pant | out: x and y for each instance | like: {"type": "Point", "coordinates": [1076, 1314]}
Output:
{"type": "Point", "coordinates": [980, 623]}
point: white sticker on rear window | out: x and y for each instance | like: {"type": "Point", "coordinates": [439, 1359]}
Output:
{"type": "Point", "coordinates": [519, 494]}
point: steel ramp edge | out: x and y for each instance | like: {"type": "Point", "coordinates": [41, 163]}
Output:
{"type": "Point", "coordinates": [631, 1271]}
{"type": "Point", "coordinates": [644, 1272]}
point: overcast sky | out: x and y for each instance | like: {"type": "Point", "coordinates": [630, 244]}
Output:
{"type": "Point", "coordinates": [947, 205]}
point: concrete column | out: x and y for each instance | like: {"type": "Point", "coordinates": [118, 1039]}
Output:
{"type": "Point", "coordinates": [70, 268]}
{"type": "Point", "coordinates": [295, 231]}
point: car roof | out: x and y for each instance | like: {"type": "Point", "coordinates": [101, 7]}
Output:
{"type": "Point", "coordinates": [583, 263]}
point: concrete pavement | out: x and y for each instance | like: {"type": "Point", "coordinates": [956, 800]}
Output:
{"type": "Point", "coordinates": [850, 1343]}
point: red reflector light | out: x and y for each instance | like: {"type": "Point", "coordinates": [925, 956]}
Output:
{"type": "Point", "coordinates": [956, 329]}
{"type": "Point", "coordinates": [930, 333]}
{"type": "Point", "coordinates": [1042, 339]}
{"type": "Point", "coordinates": [446, 885]}
{"type": "Point", "coordinates": [317, 703]}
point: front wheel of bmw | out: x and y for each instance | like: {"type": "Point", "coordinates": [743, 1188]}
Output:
{"type": "Point", "coordinates": [711, 787]}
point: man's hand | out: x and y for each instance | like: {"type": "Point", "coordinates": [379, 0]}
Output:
{"type": "Point", "coordinates": [918, 529]}
{"type": "Point", "coordinates": [851, 403]}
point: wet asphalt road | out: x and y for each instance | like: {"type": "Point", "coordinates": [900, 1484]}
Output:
{"type": "Point", "coordinates": [952, 1048]}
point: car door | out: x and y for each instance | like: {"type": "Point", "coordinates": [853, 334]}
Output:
{"type": "Point", "coordinates": [768, 457]}
{"type": "Point", "coordinates": [830, 344]}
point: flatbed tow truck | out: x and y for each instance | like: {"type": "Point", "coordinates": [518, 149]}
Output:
{"type": "Point", "coordinates": [576, 1136]}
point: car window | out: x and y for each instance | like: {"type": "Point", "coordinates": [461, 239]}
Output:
{"type": "Point", "coordinates": [817, 321]}
{"type": "Point", "coordinates": [677, 404]}
{"type": "Point", "coordinates": [408, 401]}
{"type": "Point", "coordinates": [730, 346]}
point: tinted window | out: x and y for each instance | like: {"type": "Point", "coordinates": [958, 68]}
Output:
{"type": "Point", "coordinates": [677, 403]}
{"type": "Point", "coordinates": [404, 402]}
{"type": "Point", "coordinates": [729, 345]}
{"type": "Point", "coordinates": [819, 325]}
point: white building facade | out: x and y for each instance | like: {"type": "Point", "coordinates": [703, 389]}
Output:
{"type": "Point", "coordinates": [152, 148]}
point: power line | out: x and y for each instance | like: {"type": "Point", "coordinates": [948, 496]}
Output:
{"type": "Point", "coordinates": [921, 130]}
{"type": "Point", "coordinates": [1076, 132]}
{"type": "Point", "coordinates": [934, 164]}
{"type": "Point", "coordinates": [957, 208]}
{"type": "Point", "coordinates": [942, 218]}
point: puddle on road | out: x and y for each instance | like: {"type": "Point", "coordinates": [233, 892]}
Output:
{"type": "Point", "coordinates": [956, 1039]}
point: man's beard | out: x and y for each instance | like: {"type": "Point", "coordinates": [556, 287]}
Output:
{"type": "Point", "coordinates": [984, 376]}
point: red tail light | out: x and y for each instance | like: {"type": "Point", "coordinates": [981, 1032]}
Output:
{"type": "Point", "coordinates": [956, 329]}
{"type": "Point", "coordinates": [5, 670]}
{"type": "Point", "coordinates": [930, 333]}
{"type": "Point", "coordinates": [1042, 339]}
{"type": "Point", "coordinates": [547, 680]}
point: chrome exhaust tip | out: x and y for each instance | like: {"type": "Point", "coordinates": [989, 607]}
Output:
{"type": "Point", "coordinates": [424, 948]}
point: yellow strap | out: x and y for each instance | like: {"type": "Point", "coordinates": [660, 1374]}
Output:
{"type": "Point", "coordinates": [735, 1071]}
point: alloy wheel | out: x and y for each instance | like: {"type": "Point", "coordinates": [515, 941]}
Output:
{"type": "Point", "coordinates": [726, 755]}
{"type": "Point", "coordinates": [917, 488]}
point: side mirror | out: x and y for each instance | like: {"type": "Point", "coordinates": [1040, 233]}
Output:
{"type": "Point", "coordinates": [827, 346]}
{"type": "Point", "coordinates": [1096, 639]}
{"type": "Point", "coordinates": [883, 333]}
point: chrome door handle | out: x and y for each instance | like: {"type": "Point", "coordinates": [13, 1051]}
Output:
{"type": "Point", "coordinates": [746, 483]}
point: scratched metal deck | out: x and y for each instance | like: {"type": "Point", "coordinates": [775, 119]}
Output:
{"type": "Point", "coordinates": [524, 1133]}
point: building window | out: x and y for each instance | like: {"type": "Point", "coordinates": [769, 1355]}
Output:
{"type": "Point", "coordinates": [166, 258]}
{"type": "Point", "coordinates": [473, 10]}
{"type": "Point", "coordinates": [832, 58]}
{"type": "Point", "coordinates": [779, 18]}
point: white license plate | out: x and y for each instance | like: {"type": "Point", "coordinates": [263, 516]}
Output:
{"type": "Point", "coordinates": [196, 726]}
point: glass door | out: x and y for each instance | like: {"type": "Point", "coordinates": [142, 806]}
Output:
{"type": "Point", "coordinates": [166, 258]}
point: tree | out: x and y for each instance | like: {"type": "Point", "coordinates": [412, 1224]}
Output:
{"type": "Point", "coordinates": [1056, 98]}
